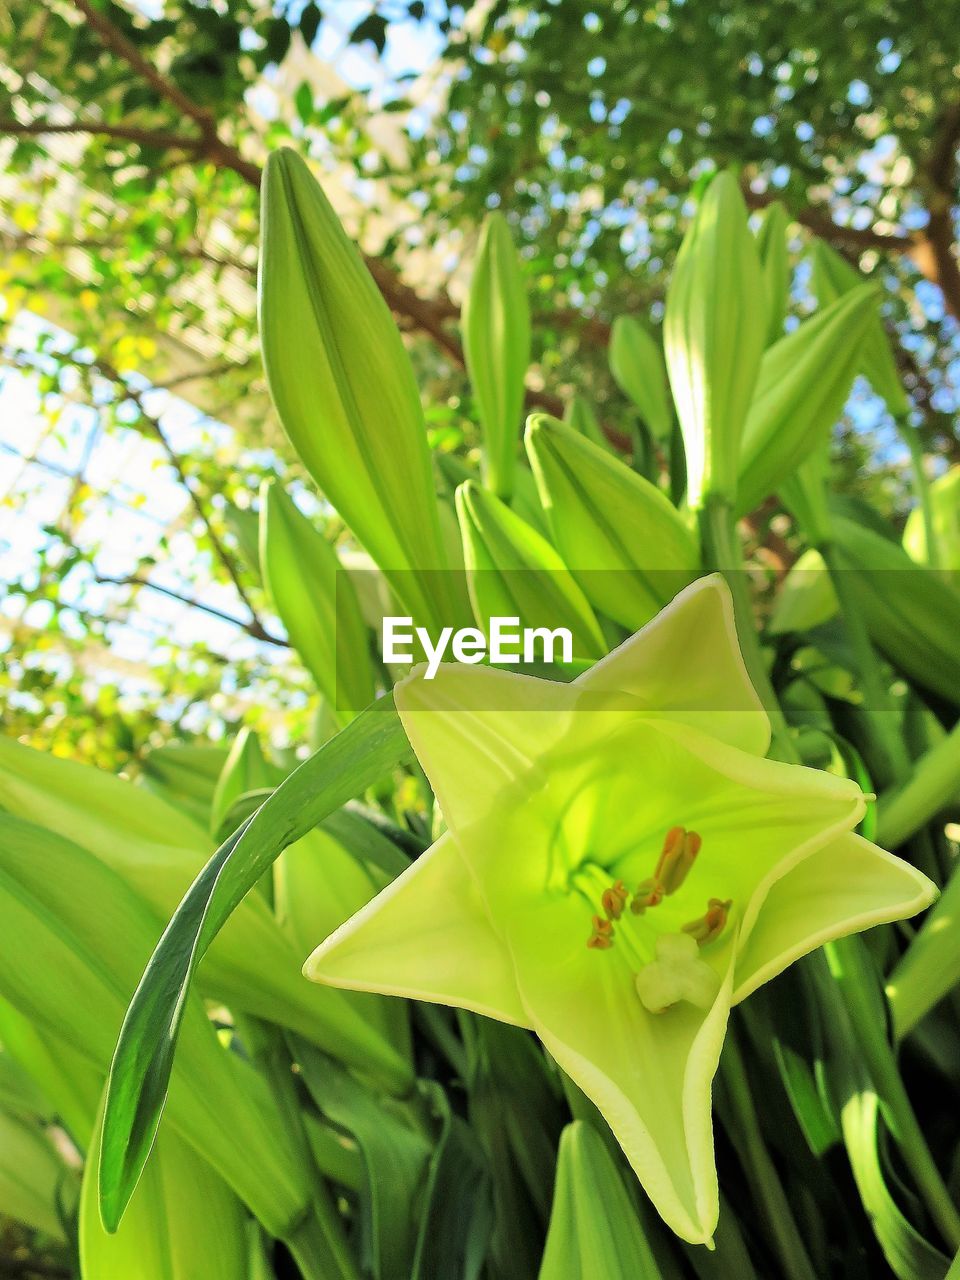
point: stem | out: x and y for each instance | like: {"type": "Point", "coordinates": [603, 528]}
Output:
{"type": "Point", "coordinates": [954, 1272]}
{"type": "Point", "coordinates": [921, 488]}
{"type": "Point", "coordinates": [722, 551]}
{"type": "Point", "coordinates": [761, 1174]}
{"type": "Point", "coordinates": [878, 708]}
{"type": "Point", "coordinates": [858, 986]}
{"type": "Point", "coordinates": [934, 784]}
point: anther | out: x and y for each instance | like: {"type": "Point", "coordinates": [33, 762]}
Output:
{"type": "Point", "coordinates": [680, 849]}
{"type": "Point", "coordinates": [613, 900]}
{"type": "Point", "coordinates": [649, 894]}
{"type": "Point", "coordinates": [712, 923]}
{"type": "Point", "coordinates": [601, 939]}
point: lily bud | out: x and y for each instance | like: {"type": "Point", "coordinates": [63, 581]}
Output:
{"type": "Point", "coordinates": [804, 382]}
{"type": "Point", "coordinates": [496, 344]}
{"type": "Point", "coordinates": [580, 416]}
{"type": "Point", "coordinates": [636, 363]}
{"type": "Point", "coordinates": [343, 386]}
{"type": "Point", "coordinates": [316, 601]}
{"type": "Point", "coordinates": [912, 615]}
{"type": "Point", "coordinates": [514, 572]}
{"type": "Point", "coordinates": [945, 502]}
{"type": "Point", "coordinates": [627, 547]}
{"type": "Point", "coordinates": [713, 334]}
{"type": "Point", "coordinates": [594, 1228]}
{"type": "Point", "coordinates": [772, 244]}
{"type": "Point", "coordinates": [832, 277]}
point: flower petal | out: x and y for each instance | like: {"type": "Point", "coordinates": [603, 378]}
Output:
{"type": "Point", "coordinates": [477, 730]}
{"type": "Point", "coordinates": [649, 1073]}
{"type": "Point", "coordinates": [848, 885]}
{"type": "Point", "coordinates": [426, 937]}
{"type": "Point", "coordinates": [687, 664]}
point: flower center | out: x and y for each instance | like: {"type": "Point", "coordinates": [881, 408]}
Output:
{"type": "Point", "coordinates": [671, 969]}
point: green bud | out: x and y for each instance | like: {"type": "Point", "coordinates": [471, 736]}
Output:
{"type": "Point", "coordinates": [315, 600]}
{"type": "Point", "coordinates": [806, 598]}
{"type": "Point", "coordinates": [343, 385]}
{"type": "Point", "coordinates": [627, 547]}
{"type": "Point", "coordinates": [713, 336]}
{"type": "Point", "coordinates": [945, 504]}
{"type": "Point", "coordinates": [594, 1228]}
{"type": "Point", "coordinates": [514, 572]}
{"type": "Point", "coordinates": [496, 344]}
{"type": "Point", "coordinates": [580, 416]}
{"type": "Point", "coordinates": [804, 382]}
{"type": "Point", "coordinates": [245, 769]}
{"type": "Point", "coordinates": [832, 277]}
{"type": "Point", "coordinates": [775, 261]}
{"type": "Point", "coordinates": [912, 614]}
{"type": "Point", "coordinates": [636, 363]}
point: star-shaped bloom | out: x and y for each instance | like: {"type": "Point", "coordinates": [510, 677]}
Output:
{"type": "Point", "coordinates": [621, 866]}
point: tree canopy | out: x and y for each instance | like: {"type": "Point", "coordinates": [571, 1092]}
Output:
{"type": "Point", "coordinates": [134, 140]}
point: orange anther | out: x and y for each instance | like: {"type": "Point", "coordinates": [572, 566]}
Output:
{"type": "Point", "coordinates": [712, 923]}
{"type": "Point", "coordinates": [680, 849]}
{"type": "Point", "coordinates": [601, 939]}
{"type": "Point", "coordinates": [613, 900]}
{"type": "Point", "coordinates": [649, 894]}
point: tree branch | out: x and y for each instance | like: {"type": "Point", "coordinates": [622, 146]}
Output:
{"type": "Point", "coordinates": [251, 628]}
{"type": "Point", "coordinates": [123, 132]}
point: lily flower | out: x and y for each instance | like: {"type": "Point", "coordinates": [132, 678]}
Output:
{"type": "Point", "coordinates": [621, 865]}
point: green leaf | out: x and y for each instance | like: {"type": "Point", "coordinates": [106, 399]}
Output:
{"type": "Point", "coordinates": [353, 760]}
{"type": "Point", "coordinates": [395, 1158]}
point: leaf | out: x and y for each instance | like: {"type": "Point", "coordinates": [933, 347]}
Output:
{"type": "Point", "coordinates": [303, 101]}
{"type": "Point", "coordinates": [373, 28]}
{"type": "Point", "coordinates": [353, 760]}
{"type": "Point", "coordinates": [395, 1158]}
{"type": "Point", "coordinates": [309, 23]}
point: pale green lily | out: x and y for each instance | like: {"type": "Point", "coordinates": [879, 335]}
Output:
{"type": "Point", "coordinates": [558, 799]}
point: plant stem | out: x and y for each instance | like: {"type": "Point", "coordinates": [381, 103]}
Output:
{"type": "Point", "coordinates": [921, 487]}
{"type": "Point", "coordinates": [934, 784]}
{"type": "Point", "coordinates": [878, 708]}
{"type": "Point", "coordinates": [761, 1174]}
{"type": "Point", "coordinates": [722, 551]}
{"type": "Point", "coordinates": [858, 986]}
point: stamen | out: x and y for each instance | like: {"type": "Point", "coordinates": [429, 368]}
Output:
{"type": "Point", "coordinates": [601, 939]}
{"type": "Point", "coordinates": [649, 894]}
{"type": "Point", "coordinates": [680, 850]}
{"type": "Point", "coordinates": [712, 923]}
{"type": "Point", "coordinates": [613, 900]}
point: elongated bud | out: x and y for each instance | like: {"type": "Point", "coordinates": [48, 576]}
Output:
{"type": "Point", "coordinates": [804, 382]}
{"type": "Point", "coordinates": [316, 601]}
{"type": "Point", "coordinates": [496, 344]}
{"type": "Point", "coordinates": [580, 416]}
{"type": "Point", "coordinates": [343, 385]}
{"type": "Point", "coordinates": [514, 572]}
{"type": "Point", "coordinates": [832, 277]}
{"type": "Point", "coordinates": [775, 261]}
{"type": "Point", "coordinates": [628, 548]}
{"type": "Point", "coordinates": [714, 333]}
{"type": "Point", "coordinates": [636, 363]}
{"type": "Point", "coordinates": [945, 504]}
{"type": "Point", "coordinates": [913, 615]}
{"type": "Point", "coordinates": [593, 1217]}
